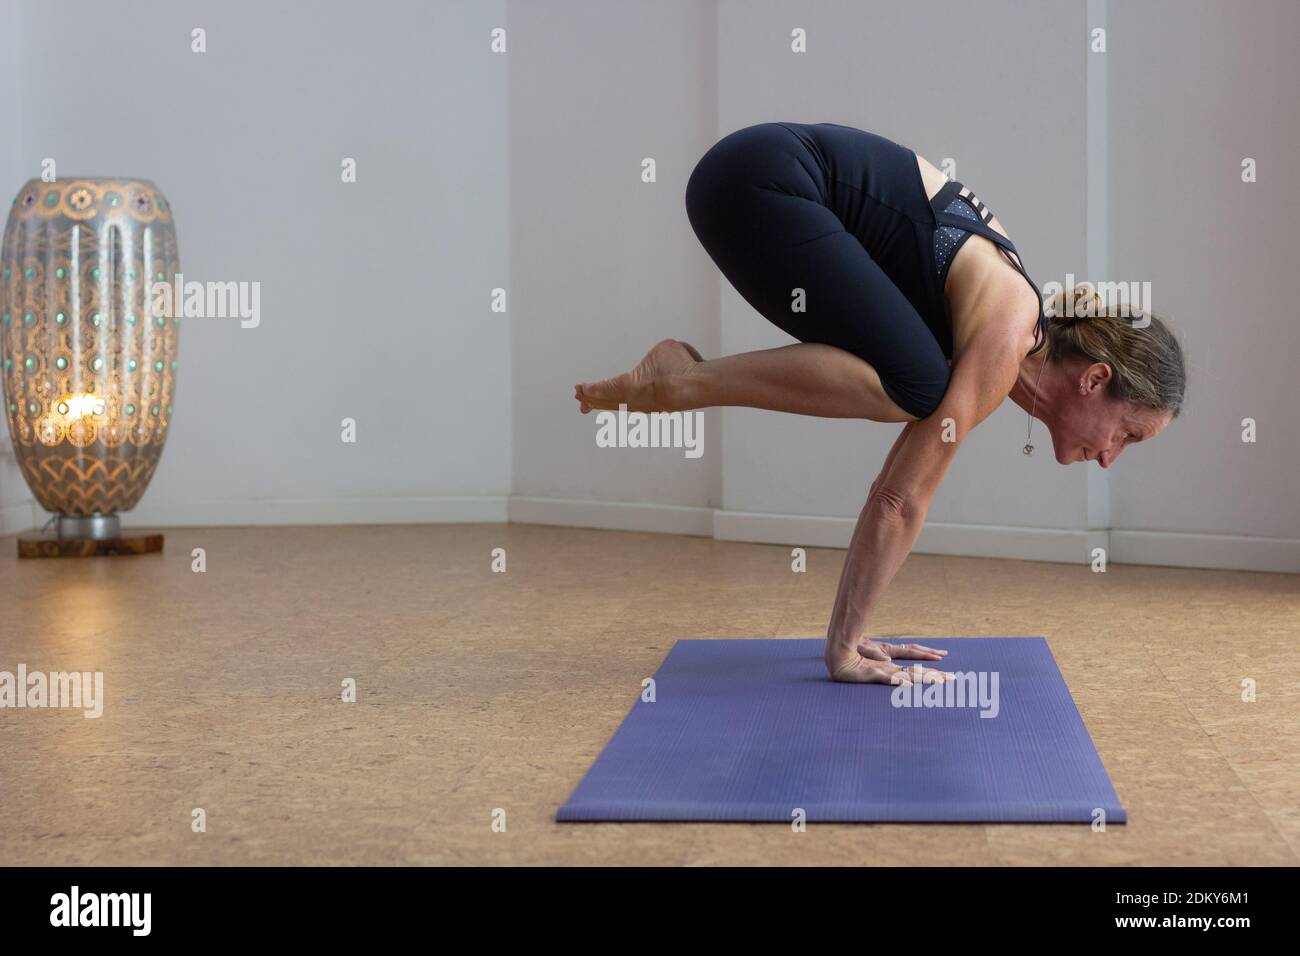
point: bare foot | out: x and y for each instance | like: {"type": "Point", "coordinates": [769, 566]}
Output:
{"type": "Point", "coordinates": [647, 388]}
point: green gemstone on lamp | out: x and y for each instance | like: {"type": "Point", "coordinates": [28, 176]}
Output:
{"type": "Point", "coordinates": [131, 275]}
{"type": "Point", "coordinates": [94, 273]}
{"type": "Point", "coordinates": [160, 276]}
{"type": "Point", "coordinates": [31, 408]}
{"type": "Point", "coordinates": [29, 318]}
{"type": "Point", "coordinates": [8, 273]}
{"type": "Point", "coordinates": [130, 409]}
{"type": "Point", "coordinates": [131, 365]}
{"type": "Point", "coordinates": [161, 321]}
{"type": "Point", "coordinates": [157, 366]}
{"type": "Point", "coordinates": [61, 362]}
{"type": "Point", "coordinates": [9, 363]}
{"type": "Point", "coordinates": [130, 320]}
{"type": "Point", "coordinates": [29, 363]}
{"type": "Point", "coordinates": [169, 409]}
{"type": "Point", "coordinates": [6, 318]}
{"type": "Point", "coordinates": [61, 318]}
{"type": "Point", "coordinates": [153, 410]}
{"type": "Point", "coordinates": [51, 198]}
{"type": "Point", "coordinates": [174, 365]}
{"type": "Point", "coordinates": [97, 318]}
{"type": "Point", "coordinates": [97, 364]}
{"type": "Point", "coordinates": [29, 273]}
{"type": "Point", "coordinates": [60, 272]}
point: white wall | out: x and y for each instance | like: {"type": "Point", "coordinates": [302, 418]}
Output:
{"type": "Point", "coordinates": [1040, 126]}
{"type": "Point", "coordinates": [375, 295]}
{"type": "Point", "coordinates": [524, 171]}
{"type": "Point", "coordinates": [1065, 145]}
{"type": "Point", "coordinates": [1205, 85]}
{"type": "Point", "coordinates": [604, 265]}
{"type": "Point", "coordinates": [950, 80]}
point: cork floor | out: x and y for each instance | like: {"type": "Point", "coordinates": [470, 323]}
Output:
{"type": "Point", "coordinates": [480, 692]}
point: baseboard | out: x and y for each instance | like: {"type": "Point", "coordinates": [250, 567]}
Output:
{"type": "Point", "coordinates": [612, 515]}
{"type": "Point", "coordinates": [1181, 549]}
{"type": "Point", "coordinates": [1029, 544]}
{"type": "Point", "coordinates": [449, 509]}
{"type": "Point", "coordinates": [968, 540]}
{"type": "Point", "coordinates": [1167, 548]}
{"type": "Point", "coordinates": [1063, 545]}
{"type": "Point", "coordinates": [18, 517]}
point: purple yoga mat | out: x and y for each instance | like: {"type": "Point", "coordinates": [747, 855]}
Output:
{"type": "Point", "coordinates": [754, 730]}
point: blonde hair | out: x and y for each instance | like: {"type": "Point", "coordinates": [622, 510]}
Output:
{"type": "Point", "coordinates": [1145, 359]}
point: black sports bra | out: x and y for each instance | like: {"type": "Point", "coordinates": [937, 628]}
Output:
{"type": "Point", "coordinates": [958, 214]}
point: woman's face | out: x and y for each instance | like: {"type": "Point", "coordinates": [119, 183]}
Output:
{"type": "Point", "coordinates": [1091, 426]}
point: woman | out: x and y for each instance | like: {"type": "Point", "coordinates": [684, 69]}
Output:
{"type": "Point", "coordinates": [910, 305]}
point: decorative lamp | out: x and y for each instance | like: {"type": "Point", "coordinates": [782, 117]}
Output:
{"type": "Point", "coordinates": [89, 371]}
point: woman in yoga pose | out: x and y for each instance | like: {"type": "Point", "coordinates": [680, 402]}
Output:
{"type": "Point", "coordinates": [910, 305]}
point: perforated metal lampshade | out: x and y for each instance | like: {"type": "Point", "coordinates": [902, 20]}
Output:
{"type": "Point", "coordinates": [89, 371]}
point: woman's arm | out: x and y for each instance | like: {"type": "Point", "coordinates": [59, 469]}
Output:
{"type": "Point", "coordinates": [889, 459]}
{"type": "Point", "coordinates": [895, 511]}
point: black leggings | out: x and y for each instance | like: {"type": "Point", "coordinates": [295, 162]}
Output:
{"type": "Point", "coordinates": [841, 214]}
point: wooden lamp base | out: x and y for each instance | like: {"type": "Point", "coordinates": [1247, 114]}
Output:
{"type": "Point", "coordinates": [52, 544]}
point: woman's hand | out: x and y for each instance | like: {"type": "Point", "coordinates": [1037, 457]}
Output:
{"type": "Point", "coordinates": [872, 662]}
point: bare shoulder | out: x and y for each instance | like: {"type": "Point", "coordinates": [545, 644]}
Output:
{"type": "Point", "coordinates": [931, 176]}
{"type": "Point", "coordinates": [999, 312]}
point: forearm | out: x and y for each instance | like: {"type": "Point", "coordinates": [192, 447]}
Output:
{"type": "Point", "coordinates": [885, 533]}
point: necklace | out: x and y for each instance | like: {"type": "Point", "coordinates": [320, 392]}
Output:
{"type": "Point", "coordinates": [1029, 446]}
